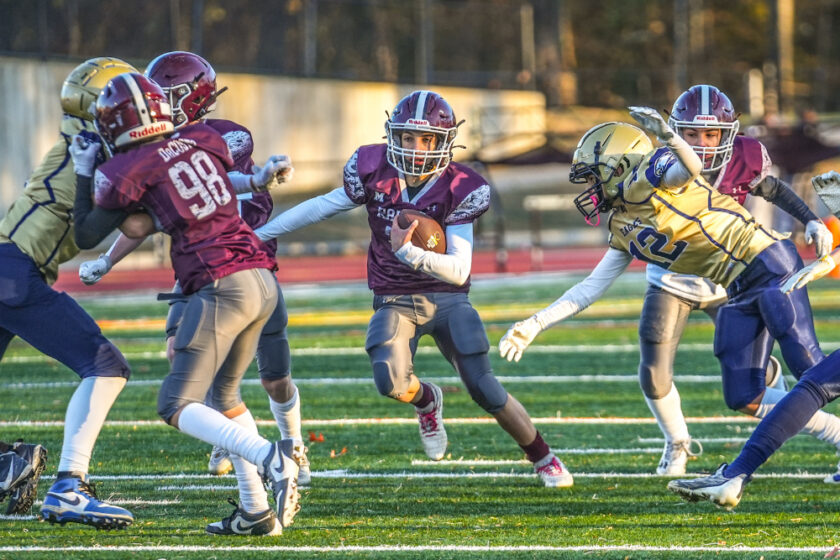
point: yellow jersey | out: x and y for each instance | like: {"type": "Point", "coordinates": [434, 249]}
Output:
{"type": "Point", "coordinates": [692, 229]}
{"type": "Point", "coordinates": [40, 221]}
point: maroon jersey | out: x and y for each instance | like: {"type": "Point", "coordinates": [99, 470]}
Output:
{"type": "Point", "coordinates": [457, 196]}
{"type": "Point", "coordinates": [749, 165]}
{"type": "Point", "coordinates": [182, 181]}
{"type": "Point", "coordinates": [255, 208]}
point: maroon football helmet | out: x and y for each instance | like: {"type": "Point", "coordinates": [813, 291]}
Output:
{"type": "Point", "coordinates": [131, 108]}
{"type": "Point", "coordinates": [421, 111]}
{"type": "Point", "coordinates": [190, 83]}
{"type": "Point", "coordinates": [705, 106]}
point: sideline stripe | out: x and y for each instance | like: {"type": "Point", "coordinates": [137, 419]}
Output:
{"type": "Point", "coordinates": [421, 548]}
{"type": "Point", "coordinates": [412, 421]}
{"type": "Point", "coordinates": [450, 380]}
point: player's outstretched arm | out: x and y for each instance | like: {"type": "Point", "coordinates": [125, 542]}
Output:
{"type": "Point", "coordinates": [307, 213]}
{"type": "Point", "coordinates": [779, 193]}
{"type": "Point", "coordinates": [91, 272]}
{"type": "Point", "coordinates": [689, 166]}
{"type": "Point", "coordinates": [573, 301]}
{"type": "Point", "coordinates": [277, 169]}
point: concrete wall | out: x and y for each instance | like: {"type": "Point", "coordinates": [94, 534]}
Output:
{"type": "Point", "coordinates": [317, 122]}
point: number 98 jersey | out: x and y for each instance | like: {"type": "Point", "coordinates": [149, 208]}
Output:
{"type": "Point", "coordinates": [182, 182]}
{"type": "Point", "coordinates": [692, 229]}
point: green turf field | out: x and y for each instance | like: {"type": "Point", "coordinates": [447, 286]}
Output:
{"type": "Point", "coordinates": [374, 495]}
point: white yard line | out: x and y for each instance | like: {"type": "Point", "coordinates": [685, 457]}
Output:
{"type": "Point", "coordinates": [430, 350]}
{"type": "Point", "coordinates": [610, 420]}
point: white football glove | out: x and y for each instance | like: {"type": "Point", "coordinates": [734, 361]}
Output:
{"type": "Point", "coordinates": [91, 272]}
{"type": "Point", "coordinates": [518, 337]}
{"type": "Point", "coordinates": [813, 271]}
{"type": "Point", "coordinates": [827, 187]}
{"type": "Point", "coordinates": [820, 236]}
{"type": "Point", "coordinates": [83, 151]}
{"type": "Point", "coordinates": [652, 121]}
{"type": "Point", "coordinates": [277, 168]}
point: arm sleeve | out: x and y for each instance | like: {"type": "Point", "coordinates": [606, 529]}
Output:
{"type": "Point", "coordinates": [92, 224]}
{"type": "Point", "coordinates": [688, 164]}
{"type": "Point", "coordinates": [307, 213]}
{"type": "Point", "coordinates": [776, 191]}
{"type": "Point", "coordinates": [241, 182]}
{"type": "Point", "coordinates": [582, 295]}
{"type": "Point", "coordinates": [122, 246]}
{"type": "Point", "coordinates": [452, 267]}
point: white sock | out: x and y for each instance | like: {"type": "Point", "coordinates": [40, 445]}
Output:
{"type": "Point", "coordinates": [822, 425]}
{"type": "Point", "coordinates": [252, 494]}
{"type": "Point", "coordinates": [204, 423]}
{"type": "Point", "coordinates": [669, 416]}
{"type": "Point", "coordinates": [287, 416]}
{"type": "Point", "coordinates": [86, 413]}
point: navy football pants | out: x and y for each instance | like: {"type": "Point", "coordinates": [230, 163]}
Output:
{"type": "Point", "coordinates": [51, 321]}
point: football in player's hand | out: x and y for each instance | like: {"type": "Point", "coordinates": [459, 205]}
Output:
{"type": "Point", "coordinates": [428, 235]}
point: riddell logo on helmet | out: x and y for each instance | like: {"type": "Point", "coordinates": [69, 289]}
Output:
{"type": "Point", "coordinates": [709, 118]}
{"type": "Point", "coordinates": [148, 130]}
{"type": "Point", "coordinates": [419, 122]}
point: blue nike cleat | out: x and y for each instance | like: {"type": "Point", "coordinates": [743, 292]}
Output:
{"type": "Point", "coordinates": [71, 499]}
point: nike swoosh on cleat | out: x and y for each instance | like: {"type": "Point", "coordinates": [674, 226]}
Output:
{"type": "Point", "coordinates": [74, 502]}
{"type": "Point", "coordinates": [242, 527]}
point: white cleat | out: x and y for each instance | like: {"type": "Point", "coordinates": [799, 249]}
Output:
{"type": "Point", "coordinates": [553, 472]}
{"type": "Point", "coordinates": [432, 432]}
{"type": "Point", "coordinates": [675, 457]}
{"type": "Point", "coordinates": [219, 461]}
{"type": "Point", "coordinates": [280, 470]}
{"type": "Point", "coordinates": [717, 488]}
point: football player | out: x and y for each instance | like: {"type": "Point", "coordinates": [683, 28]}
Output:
{"type": "Point", "coordinates": [816, 387]}
{"type": "Point", "coordinates": [417, 292]}
{"type": "Point", "coordinates": [181, 178]}
{"type": "Point", "coordinates": [662, 211]}
{"type": "Point", "coordinates": [735, 165]}
{"type": "Point", "coordinates": [190, 83]}
{"type": "Point", "coordinates": [36, 235]}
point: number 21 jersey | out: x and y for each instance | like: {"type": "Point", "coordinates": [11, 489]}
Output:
{"type": "Point", "coordinates": [182, 182]}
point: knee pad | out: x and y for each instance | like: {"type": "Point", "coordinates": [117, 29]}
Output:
{"type": "Point", "coordinates": [655, 384]}
{"type": "Point", "coordinates": [739, 396]}
{"type": "Point", "coordinates": [394, 384]}
{"type": "Point", "coordinates": [168, 403]}
{"type": "Point", "coordinates": [655, 369]}
{"type": "Point", "coordinates": [109, 362]}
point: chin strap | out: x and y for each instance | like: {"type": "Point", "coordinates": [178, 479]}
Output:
{"type": "Point", "coordinates": [588, 219]}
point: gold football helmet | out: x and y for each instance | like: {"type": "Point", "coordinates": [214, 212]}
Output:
{"type": "Point", "coordinates": [83, 84]}
{"type": "Point", "coordinates": [604, 157]}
